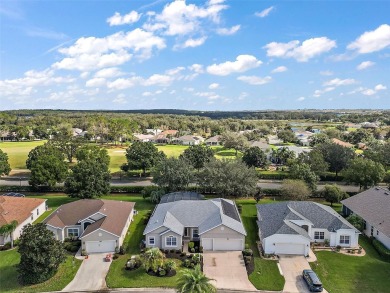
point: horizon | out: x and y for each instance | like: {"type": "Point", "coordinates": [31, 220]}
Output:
{"type": "Point", "coordinates": [213, 55]}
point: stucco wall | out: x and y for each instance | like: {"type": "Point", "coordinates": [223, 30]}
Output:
{"type": "Point", "coordinates": [222, 232]}
{"type": "Point", "coordinates": [269, 247]}
{"type": "Point", "coordinates": [99, 235]}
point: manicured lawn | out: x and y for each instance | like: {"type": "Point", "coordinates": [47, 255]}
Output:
{"type": "Point", "coordinates": [266, 275]}
{"type": "Point", "coordinates": [221, 152]}
{"type": "Point", "coordinates": [117, 158]}
{"type": "Point", "coordinates": [18, 152]}
{"type": "Point", "coordinates": [172, 150]}
{"type": "Point", "coordinates": [345, 273]}
{"type": "Point", "coordinates": [8, 274]}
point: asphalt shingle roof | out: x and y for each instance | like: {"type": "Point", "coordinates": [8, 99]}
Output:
{"type": "Point", "coordinates": [277, 218]}
{"type": "Point", "coordinates": [373, 205]}
{"type": "Point", "coordinates": [205, 214]}
{"type": "Point", "coordinates": [175, 196]}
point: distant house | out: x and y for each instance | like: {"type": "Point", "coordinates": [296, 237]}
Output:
{"type": "Point", "coordinates": [371, 125]}
{"type": "Point", "coordinates": [373, 206]}
{"type": "Point", "coordinates": [190, 140]}
{"type": "Point", "coordinates": [143, 137]}
{"type": "Point", "coordinates": [215, 223]}
{"type": "Point", "coordinates": [342, 143]}
{"type": "Point", "coordinates": [265, 147]}
{"type": "Point", "coordinates": [214, 140]}
{"type": "Point", "coordinates": [159, 138]}
{"type": "Point", "coordinates": [296, 149]}
{"type": "Point", "coordinates": [101, 225]}
{"type": "Point", "coordinates": [303, 137]}
{"type": "Point", "coordinates": [21, 209]}
{"type": "Point", "coordinates": [153, 131]}
{"type": "Point", "coordinates": [273, 139]}
{"type": "Point", "coordinates": [170, 132]}
{"type": "Point", "coordinates": [289, 227]}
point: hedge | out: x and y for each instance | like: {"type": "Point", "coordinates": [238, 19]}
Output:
{"type": "Point", "coordinates": [381, 249]}
{"type": "Point", "coordinates": [272, 176]}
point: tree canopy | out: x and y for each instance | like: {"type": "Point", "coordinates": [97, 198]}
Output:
{"type": "Point", "coordinates": [332, 194]}
{"type": "Point", "coordinates": [232, 140]}
{"type": "Point", "coordinates": [198, 155]}
{"type": "Point", "coordinates": [303, 172]}
{"type": "Point", "coordinates": [287, 136]}
{"type": "Point", "coordinates": [40, 254]}
{"type": "Point", "coordinates": [295, 189]}
{"type": "Point", "coordinates": [364, 172]}
{"type": "Point", "coordinates": [255, 157]}
{"type": "Point", "coordinates": [4, 165]}
{"type": "Point", "coordinates": [335, 155]}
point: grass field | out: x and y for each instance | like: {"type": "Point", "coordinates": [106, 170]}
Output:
{"type": "Point", "coordinates": [18, 152]}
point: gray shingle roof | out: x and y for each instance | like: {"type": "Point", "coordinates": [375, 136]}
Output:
{"type": "Point", "coordinates": [373, 205]}
{"type": "Point", "coordinates": [205, 214]}
{"type": "Point", "coordinates": [277, 218]}
{"type": "Point", "coordinates": [175, 196]}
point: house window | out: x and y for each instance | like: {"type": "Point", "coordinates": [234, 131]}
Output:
{"type": "Point", "coordinates": [344, 239]}
{"type": "Point", "coordinates": [319, 235]}
{"type": "Point", "coordinates": [37, 212]}
{"type": "Point", "coordinates": [32, 217]}
{"type": "Point", "coordinates": [195, 233]}
{"type": "Point", "coordinates": [151, 240]}
{"type": "Point", "coordinates": [171, 241]}
{"type": "Point", "coordinates": [377, 232]}
{"type": "Point", "coordinates": [73, 232]}
{"type": "Point", "coordinates": [372, 230]}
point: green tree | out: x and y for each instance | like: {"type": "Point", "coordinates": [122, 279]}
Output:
{"type": "Point", "coordinates": [295, 189]}
{"type": "Point", "coordinates": [90, 177]}
{"type": "Point", "coordinates": [356, 221]}
{"type": "Point", "coordinates": [198, 155]}
{"type": "Point", "coordinates": [40, 254]}
{"type": "Point", "coordinates": [68, 145]}
{"type": "Point", "coordinates": [173, 174]}
{"type": "Point", "coordinates": [282, 155]}
{"type": "Point", "coordinates": [5, 168]}
{"type": "Point", "coordinates": [142, 155]}
{"type": "Point", "coordinates": [315, 160]}
{"type": "Point", "coordinates": [335, 155]}
{"type": "Point", "coordinates": [332, 194]}
{"type": "Point", "coordinates": [47, 166]}
{"type": "Point", "coordinates": [359, 135]}
{"type": "Point", "coordinates": [364, 172]}
{"type": "Point", "coordinates": [287, 136]}
{"type": "Point", "coordinates": [255, 157]}
{"type": "Point", "coordinates": [232, 140]}
{"type": "Point", "coordinates": [303, 172]}
{"type": "Point", "coordinates": [153, 259]}
{"type": "Point", "coordinates": [8, 230]}
{"type": "Point", "coordinates": [319, 139]}
{"type": "Point", "coordinates": [228, 178]}
{"type": "Point", "coordinates": [194, 281]}
{"type": "Point", "coordinates": [379, 152]}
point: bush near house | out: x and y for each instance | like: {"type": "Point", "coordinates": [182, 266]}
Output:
{"type": "Point", "coordinates": [381, 249]}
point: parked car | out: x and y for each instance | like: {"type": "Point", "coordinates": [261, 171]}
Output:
{"type": "Point", "coordinates": [312, 281]}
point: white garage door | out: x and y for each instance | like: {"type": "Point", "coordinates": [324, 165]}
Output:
{"type": "Point", "coordinates": [228, 244]}
{"type": "Point", "coordinates": [290, 248]}
{"type": "Point", "coordinates": [207, 244]}
{"type": "Point", "coordinates": [100, 246]}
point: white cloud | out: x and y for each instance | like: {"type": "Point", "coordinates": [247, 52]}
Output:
{"type": "Point", "coordinates": [120, 99]}
{"type": "Point", "coordinates": [191, 43]}
{"type": "Point", "coordinates": [318, 93]}
{"type": "Point", "coordinates": [326, 73]}
{"type": "Point", "coordinates": [118, 19]}
{"type": "Point", "coordinates": [175, 71]}
{"type": "Point", "coordinates": [123, 83]}
{"type": "Point", "coordinates": [109, 72]}
{"type": "Point", "coordinates": [308, 49]}
{"type": "Point", "coordinates": [365, 64]}
{"type": "Point", "coordinates": [265, 12]}
{"type": "Point", "coordinates": [243, 95]}
{"type": "Point", "coordinates": [158, 79]}
{"type": "Point", "coordinates": [96, 82]}
{"type": "Point", "coordinates": [339, 82]}
{"type": "Point", "coordinates": [214, 86]}
{"type": "Point", "coordinates": [255, 80]}
{"type": "Point", "coordinates": [300, 99]}
{"type": "Point", "coordinates": [380, 87]}
{"type": "Point", "coordinates": [242, 63]}
{"type": "Point", "coordinates": [228, 31]}
{"type": "Point", "coordinates": [372, 41]}
{"type": "Point", "coordinates": [368, 92]}
{"type": "Point", "coordinates": [198, 68]}
{"type": "Point", "coordinates": [279, 69]}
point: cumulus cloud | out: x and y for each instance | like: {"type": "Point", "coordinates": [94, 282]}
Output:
{"type": "Point", "coordinates": [214, 86]}
{"type": "Point", "coordinates": [118, 19]}
{"type": "Point", "coordinates": [198, 68]}
{"type": "Point", "coordinates": [228, 31]}
{"type": "Point", "coordinates": [265, 12]}
{"type": "Point", "coordinates": [365, 64]}
{"type": "Point", "coordinates": [120, 99]}
{"type": "Point", "coordinates": [191, 43]}
{"type": "Point", "coordinates": [242, 63]}
{"type": "Point", "coordinates": [372, 41]}
{"type": "Point", "coordinates": [308, 49]}
{"type": "Point", "coordinates": [339, 82]}
{"type": "Point", "coordinates": [109, 72]}
{"type": "Point", "coordinates": [318, 93]}
{"type": "Point", "coordinates": [300, 99]}
{"type": "Point", "coordinates": [158, 79]}
{"type": "Point", "coordinates": [326, 73]}
{"type": "Point", "coordinates": [255, 80]}
{"type": "Point", "coordinates": [96, 82]}
{"type": "Point", "coordinates": [368, 91]}
{"type": "Point", "coordinates": [279, 69]}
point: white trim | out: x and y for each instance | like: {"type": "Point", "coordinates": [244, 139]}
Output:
{"type": "Point", "coordinates": [76, 228]}
{"type": "Point", "coordinates": [166, 245]}
{"type": "Point", "coordinates": [154, 229]}
{"type": "Point", "coordinates": [192, 232]}
{"type": "Point", "coordinates": [154, 240]}
{"type": "Point", "coordinates": [226, 227]}
{"type": "Point", "coordinates": [98, 230]}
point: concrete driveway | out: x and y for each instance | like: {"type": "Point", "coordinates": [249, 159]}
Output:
{"type": "Point", "coordinates": [228, 270]}
{"type": "Point", "coordinates": [91, 274]}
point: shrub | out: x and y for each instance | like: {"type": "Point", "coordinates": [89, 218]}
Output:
{"type": "Point", "coordinates": [191, 245]}
{"type": "Point", "coordinates": [192, 250]}
{"type": "Point", "coordinates": [338, 247]}
{"type": "Point", "coordinates": [123, 249]}
{"type": "Point", "coordinates": [169, 265]}
{"type": "Point", "coordinates": [248, 252]}
{"type": "Point", "coordinates": [172, 251]}
{"type": "Point", "coordinates": [187, 263]}
{"type": "Point", "coordinates": [130, 265]}
{"type": "Point", "coordinates": [247, 259]}
{"type": "Point", "coordinates": [201, 249]}
{"type": "Point", "coordinates": [196, 258]}
{"type": "Point", "coordinates": [183, 254]}
{"type": "Point", "coordinates": [147, 190]}
{"type": "Point", "coordinates": [381, 249]}
{"type": "Point", "coordinates": [162, 272]}
{"type": "Point", "coordinates": [115, 256]}
{"type": "Point", "coordinates": [246, 245]}
{"type": "Point", "coordinates": [178, 251]}
{"type": "Point", "coordinates": [239, 208]}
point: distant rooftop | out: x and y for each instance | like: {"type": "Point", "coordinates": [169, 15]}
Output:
{"type": "Point", "coordinates": [176, 196]}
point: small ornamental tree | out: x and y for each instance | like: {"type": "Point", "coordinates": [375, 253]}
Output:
{"type": "Point", "coordinates": [295, 190]}
{"type": "Point", "coordinates": [40, 254]}
{"type": "Point", "coordinates": [303, 172]}
{"type": "Point", "coordinates": [332, 194]}
{"type": "Point", "coordinates": [255, 157]}
{"type": "Point", "coordinates": [364, 172]}
{"type": "Point", "coordinates": [4, 165]}
{"type": "Point", "coordinates": [356, 221]}
{"type": "Point", "coordinates": [8, 230]}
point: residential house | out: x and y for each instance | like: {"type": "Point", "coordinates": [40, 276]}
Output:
{"type": "Point", "coordinates": [296, 149]}
{"type": "Point", "coordinates": [373, 206]}
{"type": "Point", "coordinates": [190, 140]}
{"type": "Point", "coordinates": [303, 137]}
{"type": "Point", "coordinates": [342, 143]}
{"type": "Point", "coordinates": [273, 139]}
{"type": "Point", "coordinates": [265, 147]}
{"type": "Point", "coordinates": [371, 125]}
{"type": "Point", "coordinates": [153, 131]}
{"type": "Point", "coordinates": [214, 140]}
{"type": "Point", "coordinates": [215, 223]}
{"type": "Point", "coordinates": [21, 209]}
{"type": "Point", "coordinates": [170, 132]}
{"type": "Point", "coordinates": [159, 138]}
{"type": "Point", "coordinates": [289, 227]}
{"type": "Point", "coordinates": [143, 137]}
{"type": "Point", "coordinates": [101, 225]}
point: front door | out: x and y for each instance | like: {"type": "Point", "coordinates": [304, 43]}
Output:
{"type": "Point", "coordinates": [186, 232]}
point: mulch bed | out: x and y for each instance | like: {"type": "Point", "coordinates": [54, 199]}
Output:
{"type": "Point", "coordinates": [250, 267]}
{"type": "Point", "coordinates": [171, 273]}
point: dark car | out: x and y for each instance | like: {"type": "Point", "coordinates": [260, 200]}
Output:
{"type": "Point", "coordinates": [312, 281]}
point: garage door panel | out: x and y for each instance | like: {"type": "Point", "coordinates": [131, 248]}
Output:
{"type": "Point", "coordinates": [100, 246]}
{"type": "Point", "coordinates": [227, 244]}
{"type": "Point", "coordinates": [207, 244]}
{"type": "Point", "coordinates": [290, 248]}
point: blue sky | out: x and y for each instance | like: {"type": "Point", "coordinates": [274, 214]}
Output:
{"type": "Point", "coordinates": [199, 55]}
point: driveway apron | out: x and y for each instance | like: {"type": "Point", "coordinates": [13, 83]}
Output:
{"type": "Point", "coordinates": [91, 274]}
{"type": "Point", "coordinates": [228, 270]}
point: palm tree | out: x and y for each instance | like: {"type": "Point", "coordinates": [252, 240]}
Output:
{"type": "Point", "coordinates": [153, 259]}
{"type": "Point", "coordinates": [8, 230]}
{"type": "Point", "coordinates": [194, 281]}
